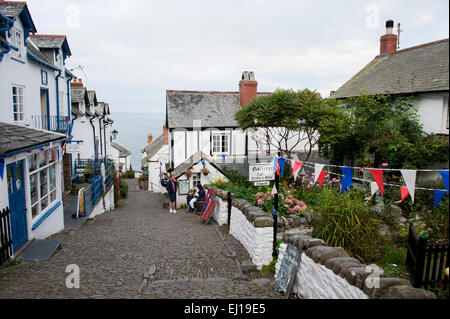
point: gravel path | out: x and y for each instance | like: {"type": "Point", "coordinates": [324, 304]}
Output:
{"type": "Point", "coordinates": [115, 250]}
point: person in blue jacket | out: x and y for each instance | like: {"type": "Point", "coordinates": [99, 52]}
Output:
{"type": "Point", "coordinates": [200, 196]}
{"type": "Point", "coordinates": [172, 186]}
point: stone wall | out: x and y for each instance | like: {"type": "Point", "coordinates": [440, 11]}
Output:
{"type": "Point", "coordinates": [330, 273]}
{"type": "Point", "coordinates": [249, 225]}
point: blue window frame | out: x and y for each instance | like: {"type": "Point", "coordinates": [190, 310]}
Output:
{"type": "Point", "coordinates": [44, 77]}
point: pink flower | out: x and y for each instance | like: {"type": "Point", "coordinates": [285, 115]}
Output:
{"type": "Point", "coordinates": [260, 202]}
{"type": "Point", "coordinates": [296, 208]}
{"type": "Point", "coordinates": [362, 170]}
{"type": "Point", "coordinates": [385, 164]}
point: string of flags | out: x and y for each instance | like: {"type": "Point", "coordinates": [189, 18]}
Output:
{"type": "Point", "coordinates": [409, 177]}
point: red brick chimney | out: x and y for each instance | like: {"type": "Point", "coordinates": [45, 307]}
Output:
{"type": "Point", "coordinates": [76, 84]}
{"type": "Point", "coordinates": [150, 138]}
{"type": "Point", "coordinates": [166, 135]}
{"type": "Point", "coordinates": [248, 87]}
{"type": "Point", "coordinates": [388, 42]}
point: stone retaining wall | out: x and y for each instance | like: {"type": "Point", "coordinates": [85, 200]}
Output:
{"type": "Point", "coordinates": [249, 225]}
{"type": "Point", "coordinates": [330, 273]}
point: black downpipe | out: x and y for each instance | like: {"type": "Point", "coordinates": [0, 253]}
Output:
{"type": "Point", "coordinates": [100, 132]}
{"type": "Point", "coordinates": [104, 137]}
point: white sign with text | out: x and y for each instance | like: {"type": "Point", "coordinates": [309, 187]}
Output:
{"type": "Point", "coordinates": [261, 172]}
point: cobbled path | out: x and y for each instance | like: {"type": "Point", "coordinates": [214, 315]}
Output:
{"type": "Point", "coordinates": [116, 249]}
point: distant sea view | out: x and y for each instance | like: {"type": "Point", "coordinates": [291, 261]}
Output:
{"type": "Point", "coordinates": [133, 130]}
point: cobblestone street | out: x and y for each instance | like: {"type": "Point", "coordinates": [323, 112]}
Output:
{"type": "Point", "coordinates": [116, 249]}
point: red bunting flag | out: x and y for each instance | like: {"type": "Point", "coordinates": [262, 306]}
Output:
{"type": "Point", "coordinates": [278, 169]}
{"type": "Point", "coordinates": [297, 166]}
{"type": "Point", "coordinates": [322, 176]}
{"type": "Point", "coordinates": [53, 153]}
{"type": "Point", "coordinates": [405, 193]}
{"type": "Point", "coordinates": [378, 177]}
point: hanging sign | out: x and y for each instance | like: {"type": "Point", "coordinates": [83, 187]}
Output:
{"type": "Point", "coordinates": [261, 172]}
{"type": "Point", "coordinates": [264, 183]}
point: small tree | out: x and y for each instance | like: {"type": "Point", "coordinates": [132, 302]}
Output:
{"type": "Point", "coordinates": [287, 118]}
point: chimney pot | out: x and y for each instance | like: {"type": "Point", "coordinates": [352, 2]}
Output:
{"type": "Point", "coordinates": [150, 138]}
{"type": "Point", "coordinates": [166, 135]}
{"type": "Point", "coordinates": [388, 42]}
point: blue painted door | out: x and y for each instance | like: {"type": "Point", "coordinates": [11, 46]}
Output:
{"type": "Point", "coordinates": [17, 206]}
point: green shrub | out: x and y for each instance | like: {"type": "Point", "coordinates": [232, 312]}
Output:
{"type": "Point", "coordinates": [123, 189]}
{"type": "Point", "coordinates": [348, 222]}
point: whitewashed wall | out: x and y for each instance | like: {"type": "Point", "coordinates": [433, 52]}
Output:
{"type": "Point", "coordinates": [315, 281]}
{"type": "Point", "coordinates": [433, 112]}
{"type": "Point", "coordinates": [107, 206]}
{"type": "Point", "coordinates": [257, 240]}
{"type": "Point", "coordinates": [221, 212]}
{"type": "Point", "coordinates": [153, 167]}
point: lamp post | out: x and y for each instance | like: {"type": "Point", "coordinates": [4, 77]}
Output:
{"type": "Point", "coordinates": [275, 209]}
{"type": "Point", "coordinates": [114, 134]}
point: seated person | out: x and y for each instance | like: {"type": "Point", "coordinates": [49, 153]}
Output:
{"type": "Point", "coordinates": [189, 197]}
{"type": "Point", "coordinates": [200, 196]}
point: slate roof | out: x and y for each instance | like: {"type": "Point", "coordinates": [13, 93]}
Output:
{"type": "Point", "coordinates": [92, 97]}
{"type": "Point", "coordinates": [123, 152]}
{"type": "Point", "coordinates": [78, 95]}
{"type": "Point", "coordinates": [14, 137]}
{"type": "Point", "coordinates": [32, 50]}
{"type": "Point", "coordinates": [151, 149]}
{"type": "Point", "coordinates": [46, 41]}
{"type": "Point", "coordinates": [11, 9]}
{"type": "Point", "coordinates": [422, 68]}
{"type": "Point", "coordinates": [214, 109]}
{"type": "Point", "coordinates": [76, 111]}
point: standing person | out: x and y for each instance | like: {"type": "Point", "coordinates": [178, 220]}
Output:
{"type": "Point", "coordinates": [200, 196]}
{"type": "Point", "coordinates": [172, 186]}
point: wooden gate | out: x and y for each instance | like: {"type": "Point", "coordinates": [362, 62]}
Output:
{"type": "Point", "coordinates": [5, 236]}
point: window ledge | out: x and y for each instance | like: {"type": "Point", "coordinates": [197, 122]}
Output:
{"type": "Point", "coordinates": [46, 215]}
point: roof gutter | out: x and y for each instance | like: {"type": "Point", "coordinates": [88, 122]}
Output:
{"type": "Point", "coordinates": [9, 154]}
{"type": "Point", "coordinates": [33, 58]}
{"type": "Point", "coordinates": [7, 47]}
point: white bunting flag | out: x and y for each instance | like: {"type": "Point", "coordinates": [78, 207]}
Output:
{"type": "Point", "coordinates": [274, 190]}
{"type": "Point", "coordinates": [296, 174]}
{"type": "Point", "coordinates": [373, 188]}
{"type": "Point", "coordinates": [409, 176]}
{"type": "Point", "coordinates": [317, 170]}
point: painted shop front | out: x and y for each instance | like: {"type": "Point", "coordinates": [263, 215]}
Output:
{"type": "Point", "coordinates": [31, 182]}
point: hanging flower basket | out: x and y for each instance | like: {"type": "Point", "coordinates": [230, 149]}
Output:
{"type": "Point", "coordinates": [188, 173]}
{"type": "Point", "coordinates": [205, 171]}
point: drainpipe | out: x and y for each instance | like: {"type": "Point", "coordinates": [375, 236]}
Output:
{"type": "Point", "coordinates": [104, 137]}
{"type": "Point", "coordinates": [69, 105]}
{"type": "Point", "coordinates": [57, 99]}
{"type": "Point", "coordinates": [93, 131]}
{"type": "Point", "coordinates": [100, 127]}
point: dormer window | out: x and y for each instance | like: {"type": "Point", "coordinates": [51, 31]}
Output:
{"type": "Point", "coordinates": [16, 40]}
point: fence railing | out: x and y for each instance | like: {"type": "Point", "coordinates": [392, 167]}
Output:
{"type": "Point", "coordinates": [89, 166]}
{"type": "Point", "coordinates": [5, 236]}
{"type": "Point", "coordinates": [426, 263]}
{"type": "Point", "coordinates": [109, 175]}
{"type": "Point", "coordinates": [51, 123]}
{"type": "Point", "coordinates": [96, 189]}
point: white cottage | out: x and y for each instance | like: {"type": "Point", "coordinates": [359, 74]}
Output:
{"type": "Point", "coordinates": [121, 157]}
{"type": "Point", "coordinates": [155, 159]}
{"type": "Point", "coordinates": [31, 182]}
{"type": "Point", "coordinates": [421, 71]}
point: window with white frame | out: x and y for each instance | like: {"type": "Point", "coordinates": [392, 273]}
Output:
{"type": "Point", "coordinates": [221, 143]}
{"type": "Point", "coordinates": [42, 171]}
{"type": "Point", "coordinates": [16, 40]}
{"type": "Point", "coordinates": [196, 178]}
{"type": "Point", "coordinates": [17, 95]}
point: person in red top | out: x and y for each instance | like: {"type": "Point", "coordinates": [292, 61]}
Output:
{"type": "Point", "coordinates": [172, 186]}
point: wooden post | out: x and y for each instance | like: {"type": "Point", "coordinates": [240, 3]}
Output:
{"type": "Point", "coordinates": [420, 261]}
{"type": "Point", "coordinates": [275, 213]}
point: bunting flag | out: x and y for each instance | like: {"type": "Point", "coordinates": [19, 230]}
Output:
{"type": "Point", "coordinates": [444, 175]}
{"type": "Point", "coordinates": [275, 163]}
{"type": "Point", "coordinates": [2, 167]}
{"type": "Point", "coordinates": [57, 152]}
{"type": "Point", "coordinates": [322, 176]}
{"type": "Point", "coordinates": [317, 170]}
{"type": "Point", "coordinates": [53, 155]}
{"type": "Point", "coordinates": [228, 156]}
{"type": "Point", "coordinates": [274, 190]}
{"type": "Point", "coordinates": [409, 176]}
{"type": "Point", "coordinates": [297, 167]}
{"type": "Point", "coordinates": [404, 192]}
{"type": "Point", "coordinates": [282, 161]}
{"type": "Point", "coordinates": [203, 163]}
{"type": "Point", "coordinates": [373, 188]}
{"type": "Point", "coordinates": [378, 177]}
{"type": "Point", "coordinates": [223, 156]}
{"type": "Point", "coordinates": [346, 179]}
{"type": "Point", "coordinates": [438, 196]}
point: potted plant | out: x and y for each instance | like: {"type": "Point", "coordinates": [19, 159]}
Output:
{"type": "Point", "coordinates": [205, 171]}
{"type": "Point", "coordinates": [188, 173]}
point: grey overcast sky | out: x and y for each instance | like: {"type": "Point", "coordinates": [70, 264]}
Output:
{"type": "Point", "coordinates": [133, 51]}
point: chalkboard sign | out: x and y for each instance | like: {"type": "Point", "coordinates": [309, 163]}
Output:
{"type": "Point", "coordinates": [288, 270]}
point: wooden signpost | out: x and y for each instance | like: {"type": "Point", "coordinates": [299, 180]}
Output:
{"type": "Point", "coordinates": [288, 270]}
